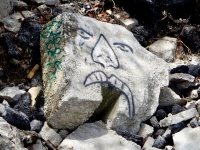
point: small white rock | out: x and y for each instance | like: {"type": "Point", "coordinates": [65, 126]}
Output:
{"type": "Point", "coordinates": [149, 142]}
{"type": "Point", "coordinates": [145, 130]}
{"type": "Point", "coordinates": [182, 116]}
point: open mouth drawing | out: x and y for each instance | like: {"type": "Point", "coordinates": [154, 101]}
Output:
{"type": "Point", "coordinates": [113, 81]}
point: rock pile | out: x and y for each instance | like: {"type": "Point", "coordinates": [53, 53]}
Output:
{"type": "Point", "coordinates": [97, 87]}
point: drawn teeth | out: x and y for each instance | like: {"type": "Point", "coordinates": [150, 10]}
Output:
{"type": "Point", "coordinates": [100, 77]}
{"type": "Point", "coordinates": [125, 90]}
{"type": "Point", "coordinates": [95, 77]}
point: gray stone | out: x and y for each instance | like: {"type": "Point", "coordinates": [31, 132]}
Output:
{"type": "Point", "coordinates": [17, 3]}
{"type": "Point", "coordinates": [181, 77]}
{"type": "Point", "coordinates": [96, 136]}
{"type": "Point", "coordinates": [159, 142]}
{"type": "Point", "coordinates": [10, 137]}
{"type": "Point", "coordinates": [5, 9]}
{"type": "Point", "coordinates": [194, 123]}
{"type": "Point", "coordinates": [47, 2]}
{"type": "Point", "coordinates": [36, 125]}
{"type": "Point", "coordinates": [11, 94]}
{"type": "Point", "coordinates": [169, 97]}
{"type": "Point", "coordinates": [154, 122]}
{"type": "Point", "coordinates": [110, 62]}
{"type": "Point", "coordinates": [11, 24]}
{"type": "Point", "coordinates": [182, 116]}
{"type": "Point", "coordinates": [187, 139]}
{"type": "Point", "coordinates": [145, 130]}
{"type": "Point", "coordinates": [49, 134]}
{"type": "Point", "coordinates": [164, 48]}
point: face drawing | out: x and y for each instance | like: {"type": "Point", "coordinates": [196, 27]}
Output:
{"type": "Point", "coordinates": [103, 53]}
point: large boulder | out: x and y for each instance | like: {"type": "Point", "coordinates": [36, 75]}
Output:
{"type": "Point", "coordinates": [88, 64]}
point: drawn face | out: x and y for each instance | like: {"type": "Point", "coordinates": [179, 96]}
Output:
{"type": "Point", "coordinates": [104, 53]}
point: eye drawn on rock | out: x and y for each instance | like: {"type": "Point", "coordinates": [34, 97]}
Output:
{"type": "Point", "coordinates": [123, 47]}
{"type": "Point", "coordinates": [84, 33]}
{"type": "Point", "coordinates": [101, 77]}
{"type": "Point", "coordinates": [103, 53]}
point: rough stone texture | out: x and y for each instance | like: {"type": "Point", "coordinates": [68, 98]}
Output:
{"type": "Point", "coordinates": [181, 77]}
{"type": "Point", "coordinates": [168, 97]}
{"type": "Point", "coordinates": [164, 48]}
{"type": "Point", "coordinates": [11, 93]}
{"type": "Point", "coordinates": [96, 136]}
{"type": "Point", "coordinates": [107, 55]}
{"type": "Point", "coordinates": [5, 9]}
{"type": "Point", "coordinates": [182, 116]}
{"type": "Point", "coordinates": [49, 134]}
{"type": "Point", "coordinates": [187, 139]}
{"type": "Point", "coordinates": [145, 130]}
{"type": "Point", "coordinates": [10, 138]}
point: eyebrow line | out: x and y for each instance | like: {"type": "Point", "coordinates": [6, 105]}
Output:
{"type": "Point", "coordinates": [118, 43]}
{"type": "Point", "coordinates": [86, 31]}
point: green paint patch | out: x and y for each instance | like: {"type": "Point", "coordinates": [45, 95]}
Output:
{"type": "Point", "coordinates": [52, 34]}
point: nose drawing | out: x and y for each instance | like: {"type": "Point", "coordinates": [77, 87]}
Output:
{"type": "Point", "coordinates": [103, 53]}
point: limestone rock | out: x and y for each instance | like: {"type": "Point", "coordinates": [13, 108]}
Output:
{"type": "Point", "coordinates": [96, 136]}
{"type": "Point", "coordinates": [5, 8]}
{"type": "Point", "coordinates": [182, 116]}
{"type": "Point", "coordinates": [93, 62]}
{"type": "Point", "coordinates": [10, 137]}
{"type": "Point", "coordinates": [187, 139]}
{"type": "Point", "coordinates": [49, 134]}
{"type": "Point", "coordinates": [169, 97]}
{"type": "Point", "coordinates": [164, 48]}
